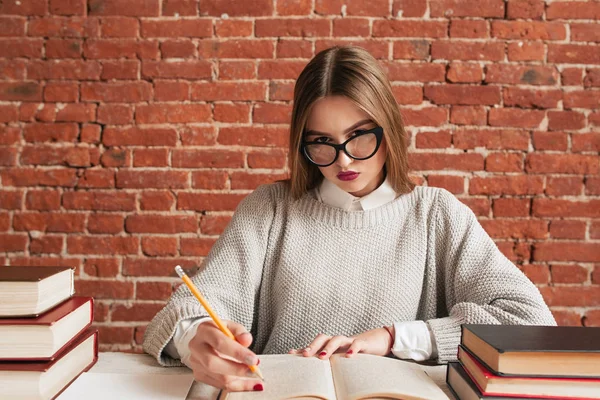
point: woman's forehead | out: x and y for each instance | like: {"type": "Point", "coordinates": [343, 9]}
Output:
{"type": "Point", "coordinates": [334, 114]}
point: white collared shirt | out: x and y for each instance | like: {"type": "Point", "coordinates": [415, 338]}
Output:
{"type": "Point", "coordinates": [413, 339]}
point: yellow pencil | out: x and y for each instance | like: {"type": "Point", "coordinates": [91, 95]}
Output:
{"type": "Point", "coordinates": [210, 311]}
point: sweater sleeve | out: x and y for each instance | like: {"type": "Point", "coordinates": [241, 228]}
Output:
{"type": "Point", "coordinates": [480, 285]}
{"type": "Point", "coordinates": [229, 277]}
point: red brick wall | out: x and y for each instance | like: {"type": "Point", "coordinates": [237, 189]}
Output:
{"type": "Point", "coordinates": [129, 130]}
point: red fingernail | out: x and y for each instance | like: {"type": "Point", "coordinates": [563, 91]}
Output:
{"type": "Point", "coordinates": [258, 387]}
{"type": "Point", "coordinates": [258, 363]}
{"type": "Point", "coordinates": [323, 353]}
{"type": "Point", "coordinates": [349, 352]}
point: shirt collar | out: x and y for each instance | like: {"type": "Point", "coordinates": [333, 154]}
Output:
{"type": "Point", "coordinates": [329, 193]}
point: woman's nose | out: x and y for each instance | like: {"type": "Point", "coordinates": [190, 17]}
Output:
{"type": "Point", "coordinates": [343, 160]}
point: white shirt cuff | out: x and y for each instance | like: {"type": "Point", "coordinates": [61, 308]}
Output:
{"type": "Point", "coordinates": [178, 346]}
{"type": "Point", "coordinates": [413, 341]}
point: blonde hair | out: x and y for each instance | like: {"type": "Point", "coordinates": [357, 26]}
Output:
{"type": "Point", "coordinates": [352, 72]}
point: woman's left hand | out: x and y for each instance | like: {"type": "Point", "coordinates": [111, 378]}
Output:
{"type": "Point", "coordinates": [376, 341]}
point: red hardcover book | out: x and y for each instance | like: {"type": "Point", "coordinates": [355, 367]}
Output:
{"type": "Point", "coordinates": [46, 380]}
{"type": "Point", "coordinates": [490, 384]}
{"type": "Point", "coordinates": [43, 337]}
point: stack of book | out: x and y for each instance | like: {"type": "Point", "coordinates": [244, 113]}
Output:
{"type": "Point", "coordinates": [526, 362]}
{"type": "Point", "coordinates": [46, 340]}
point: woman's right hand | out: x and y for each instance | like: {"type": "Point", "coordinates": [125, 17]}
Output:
{"type": "Point", "coordinates": [222, 362]}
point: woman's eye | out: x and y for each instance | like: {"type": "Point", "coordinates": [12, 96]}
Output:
{"type": "Point", "coordinates": [322, 139]}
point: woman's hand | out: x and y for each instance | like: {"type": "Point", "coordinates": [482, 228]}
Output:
{"type": "Point", "coordinates": [222, 362]}
{"type": "Point", "coordinates": [376, 341]}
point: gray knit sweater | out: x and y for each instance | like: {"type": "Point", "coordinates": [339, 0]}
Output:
{"type": "Point", "coordinates": [291, 269]}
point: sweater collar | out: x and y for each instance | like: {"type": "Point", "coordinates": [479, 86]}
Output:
{"type": "Point", "coordinates": [329, 193]}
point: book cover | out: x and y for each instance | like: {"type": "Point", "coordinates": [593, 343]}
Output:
{"type": "Point", "coordinates": [28, 274]}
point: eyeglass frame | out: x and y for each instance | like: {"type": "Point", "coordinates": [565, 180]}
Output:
{"type": "Point", "coordinates": [377, 131]}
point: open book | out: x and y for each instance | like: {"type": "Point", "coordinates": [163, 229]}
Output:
{"type": "Point", "coordinates": [362, 376]}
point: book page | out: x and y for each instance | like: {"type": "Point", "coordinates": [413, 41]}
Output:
{"type": "Point", "coordinates": [366, 376]}
{"type": "Point", "coordinates": [289, 376]}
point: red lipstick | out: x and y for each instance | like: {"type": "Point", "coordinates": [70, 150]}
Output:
{"type": "Point", "coordinates": [347, 175]}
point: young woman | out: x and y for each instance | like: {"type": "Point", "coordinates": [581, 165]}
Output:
{"type": "Point", "coordinates": [348, 255]}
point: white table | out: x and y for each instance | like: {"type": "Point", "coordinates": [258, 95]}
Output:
{"type": "Point", "coordinates": [143, 363]}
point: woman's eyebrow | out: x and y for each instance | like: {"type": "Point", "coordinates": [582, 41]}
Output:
{"type": "Point", "coordinates": [356, 125]}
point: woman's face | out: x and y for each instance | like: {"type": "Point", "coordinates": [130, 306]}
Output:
{"type": "Point", "coordinates": [335, 119]}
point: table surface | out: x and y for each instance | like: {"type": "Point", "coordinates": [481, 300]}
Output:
{"type": "Point", "coordinates": [128, 363]}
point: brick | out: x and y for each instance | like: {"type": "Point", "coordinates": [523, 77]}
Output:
{"type": "Point", "coordinates": [433, 140]}
{"type": "Point", "coordinates": [585, 32]}
{"type": "Point", "coordinates": [152, 179]}
{"type": "Point", "coordinates": [30, 112]}
{"type": "Point", "coordinates": [244, 180]}
{"type": "Point", "coordinates": [234, 9]}
{"type": "Point", "coordinates": [233, 28]}
{"type": "Point", "coordinates": [161, 224]}
{"type": "Point", "coordinates": [102, 245]}
{"type": "Point", "coordinates": [64, 70]}
{"type": "Point", "coordinates": [102, 267]}
{"type": "Point", "coordinates": [46, 244]}
{"type": "Point", "coordinates": [585, 142]}
{"type": "Point", "coordinates": [268, 113]}
{"type": "Point", "coordinates": [562, 163]}
{"type": "Point", "coordinates": [582, 99]}
{"type": "Point", "coordinates": [20, 91]}
{"type": "Point", "coordinates": [11, 200]}
{"type": "Point", "coordinates": [9, 135]}
{"type": "Point", "coordinates": [105, 223]}
{"type": "Point", "coordinates": [237, 112]}
{"type": "Point", "coordinates": [565, 120]}
{"type": "Point", "coordinates": [177, 49]}
{"type": "Point", "coordinates": [196, 246]}
{"type": "Point", "coordinates": [77, 113]}
{"type": "Point", "coordinates": [538, 274]}
{"type": "Point", "coordinates": [294, 49]}
{"type": "Point", "coordinates": [564, 186]}
{"type": "Point", "coordinates": [573, 10]}
{"type": "Point", "coordinates": [409, 8]}
{"type": "Point", "coordinates": [176, 28]}
{"type": "Point", "coordinates": [121, 48]}
{"type": "Point", "coordinates": [90, 133]}
{"type": "Point", "coordinates": [139, 137]}
{"type": "Point", "coordinates": [97, 179]}
{"type": "Point", "coordinates": [8, 157]}
{"type": "Point", "coordinates": [102, 289]}
{"type": "Point", "coordinates": [351, 27]}
{"type": "Point", "coordinates": [515, 185]}
{"type": "Point", "coordinates": [122, 69]}
{"type": "Point", "coordinates": [116, 158]}
{"type": "Point", "coordinates": [517, 252]}
{"type": "Point", "coordinates": [180, 7]}
{"type": "Point", "coordinates": [592, 78]}
{"type": "Point", "coordinates": [49, 222]}
{"type": "Point", "coordinates": [116, 92]}
{"type": "Point", "coordinates": [254, 136]}
{"type": "Point", "coordinates": [171, 90]}
{"type": "Point", "coordinates": [283, 91]}
{"type": "Point", "coordinates": [511, 207]}
{"type": "Point", "coordinates": [530, 30]}
{"type": "Point", "coordinates": [239, 48]}
{"type": "Point", "coordinates": [411, 49]}
{"type": "Point", "coordinates": [30, 7]}
{"type": "Point", "coordinates": [454, 184]}
{"type": "Point", "coordinates": [61, 132]}
{"type": "Point", "coordinates": [151, 158]}
{"type": "Point", "coordinates": [516, 229]}
{"type": "Point", "coordinates": [159, 246]}
{"type": "Point", "coordinates": [592, 318]}
{"type": "Point", "coordinates": [116, 335]}
{"type": "Point", "coordinates": [464, 73]}
{"type": "Point", "coordinates": [532, 75]}
{"type": "Point", "coordinates": [573, 54]}
{"type": "Point", "coordinates": [379, 49]}
{"type": "Point", "coordinates": [133, 8]}
{"type": "Point", "coordinates": [184, 158]}
{"type": "Point", "coordinates": [230, 70]}
{"type": "Point", "coordinates": [63, 48]}
{"type": "Point", "coordinates": [280, 69]}
{"type": "Point", "coordinates": [408, 94]}
{"type": "Point", "coordinates": [156, 200]}
{"type": "Point", "coordinates": [209, 201]}
{"type": "Point", "coordinates": [440, 161]}
{"type": "Point", "coordinates": [153, 290]}
{"type": "Point", "coordinates": [210, 180]}
{"type": "Point", "coordinates": [99, 201]}
{"type": "Point", "coordinates": [514, 117]}
{"type": "Point", "coordinates": [467, 8]}
{"type": "Point", "coordinates": [525, 9]}
{"type": "Point", "coordinates": [404, 28]}
{"type": "Point", "coordinates": [543, 207]}
{"type": "Point", "coordinates": [270, 159]}
{"type": "Point", "coordinates": [157, 267]}
{"type": "Point", "coordinates": [526, 51]}
{"type": "Point", "coordinates": [504, 162]}
{"type": "Point", "coordinates": [214, 224]}
{"type": "Point", "coordinates": [468, 115]}
{"type": "Point", "coordinates": [550, 141]}
{"type": "Point", "coordinates": [12, 26]}
{"type": "Point", "coordinates": [12, 242]}
{"type": "Point", "coordinates": [528, 98]}
{"type": "Point", "coordinates": [160, 113]}
{"type": "Point", "coordinates": [228, 91]}
{"type": "Point", "coordinates": [115, 114]}
{"type": "Point", "coordinates": [12, 69]}
{"type": "Point", "coordinates": [378, 8]}
{"type": "Point", "coordinates": [42, 200]}
{"type": "Point", "coordinates": [427, 116]}
{"type": "Point", "coordinates": [417, 72]}
{"type": "Point", "coordinates": [456, 50]}
{"type": "Point", "coordinates": [461, 94]}
{"type": "Point", "coordinates": [199, 136]}
{"type": "Point", "coordinates": [565, 229]}
{"type": "Point", "coordinates": [572, 76]}
{"type": "Point", "coordinates": [280, 27]}
{"type": "Point", "coordinates": [61, 27]}
{"type": "Point", "coordinates": [64, 92]}
{"type": "Point", "coordinates": [8, 113]}
{"type": "Point", "coordinates": [473, 29]}
{"type": "Point", "coordinates": [508, 139]}
{"type": "Point", "coordinates": [120, 27]}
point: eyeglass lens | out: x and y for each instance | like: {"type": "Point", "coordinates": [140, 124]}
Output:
{"type": "Point", "coordinates": [360, 147]}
